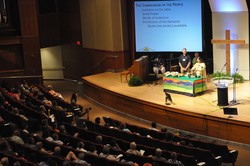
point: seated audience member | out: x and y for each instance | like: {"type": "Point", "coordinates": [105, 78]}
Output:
{"type": "Point", "coordinates": [153, 126]}
{"type": "Point", "coordinates": [55, 138]}
{"type": "Point", "coordinates": [5, 147]}
{"type": "Point", "coordinates": [42, 98]}
{"type": "Point", "coordinates": [53, 92]}
{"type": "Point", "coordinates": [92, 150]}
{"type": "Point", "coordinates": [16, 137]}
{"type": "Point", "coordinates": [182, 143]}
{"type": "Point", "coordinates": [24, 85]}
{"type": "Point", "coordinates": [1, 120]}
{"type": "Point", "coordinates": [67, 142]}
{"type": "Point", "coordinates": [80, 146]}
{"type": "Point", "coordinates": [79, 159]}
{"type": "Point", "coordinates": [114, 145]}
{"type": "Point", "coordinates": [30, 142]}
{"type": "Point", "coordinates": [25, 127]}
{"type": "Point", "coordinates": [66, 163]}
{"type": "Point", "coordinates": [169, 137]}
{"type": "Point", "coordinates": [62, 129]}
{"type": "Point", "coordinates": [17, 163]}
{"type": "Point", "coordinates": [98, 139]}
{"type": "Point", "coordinates": [80, 122]}
{"type": "Point", "coordinates": [147, 164]}
{"type": "Point", "coordinates": [16, 94]}
{"type": "Point", "coordinates": [158, 155]}
{"type": "Point", "coordinates": [122, 127]}
{"type": "Point", "coordinates": [158, 65]}
{"type": "Point", "coordinates": [98, 120]}
{"type": "Point", "coordinates": [57, 152]}
{"type": "Point", "coordinates": [173, 159]}
{"type": "Point", "coordinates": [105, 154]}
{"type": "Point", "coordinates": [199, 69]}
{"type": "Point", "coordinates": [16, 111]}
{"type": "Point", "coordinates": [132, 149]}
{"type": "Point", "coordinates": [58, 107]}
{"type": "Point", "coordinates": [23, 98]}
{"type": "Point", "coordinates": [39, 147]}
{"type": "Point", "coordinates": [5, 161]}
{"type": "Point", "coordinates": [46, 133]}
{"type": "Point", "coordinates": [43, 111]}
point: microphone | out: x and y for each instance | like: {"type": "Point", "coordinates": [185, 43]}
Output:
{"type": "Point", "coordinates": [222, 68]}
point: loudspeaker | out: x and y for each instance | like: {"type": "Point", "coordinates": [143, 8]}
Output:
{"type": "Point", "coordinates": [230, 111]}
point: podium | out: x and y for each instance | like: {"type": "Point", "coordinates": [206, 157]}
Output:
{"type": "Point", "coordinates": [140, 67]}
{"type": "Point", "coordinates": [222, 84]}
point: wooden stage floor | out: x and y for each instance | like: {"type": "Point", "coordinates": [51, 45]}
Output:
{"type": "Point", "coordinates": [210, 119]}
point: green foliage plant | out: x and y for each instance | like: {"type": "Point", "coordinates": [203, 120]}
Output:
{"type": "Point", "coordinates": [238, 78]}
{"type": "Point", "coordinates": [135, 81]}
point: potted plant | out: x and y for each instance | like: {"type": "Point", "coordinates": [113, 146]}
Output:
{"type": "Point", "coordinates": [135, 81]}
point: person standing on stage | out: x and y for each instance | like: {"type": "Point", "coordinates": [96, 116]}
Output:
{"type": "Point", "coordinates": [184, 61]}
{"type": "Point", "coordinates": [194, 60]}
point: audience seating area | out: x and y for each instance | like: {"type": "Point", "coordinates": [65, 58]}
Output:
{"type": "Point", "coordinates": [31, 114]}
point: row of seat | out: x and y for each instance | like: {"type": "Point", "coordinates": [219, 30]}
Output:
{"type": "Point", "coordinates": [29, 156]}
{"type": "Point", "coordinates": [124, 142]}
{"type": "Point", "coordinates": [143, 141]}
{"type": "Point", "coordinates": [199, 154]}
{"type": "Point", "coordinates": [14, 159]}
{"type": "Point", "coordinates": [228, 156]}
{"type": "Point", "coordinates": [36, 102]}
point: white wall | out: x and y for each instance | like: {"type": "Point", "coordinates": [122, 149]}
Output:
{"type": "Point", "coordinates": [238, 25]}
{"type": "Point", "coordinates": [52, 62]}
{"type": "Point", "coordinates": [103, 25]}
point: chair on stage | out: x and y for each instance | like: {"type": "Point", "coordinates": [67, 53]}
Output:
{"type": "Point", "coordinates": [126, 74]}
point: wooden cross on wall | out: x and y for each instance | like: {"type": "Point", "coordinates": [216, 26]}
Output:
{"type": "Point", "coordinates": [228, 42]}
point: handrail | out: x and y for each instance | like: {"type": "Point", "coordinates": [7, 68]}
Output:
{"type": "Point", "coordinates": [16, 77]}
{"type": "Point", "coordinates": [40, 77]}
{"type": "Point", "coordinates": [98, 64]}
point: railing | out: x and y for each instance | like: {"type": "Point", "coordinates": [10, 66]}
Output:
{"type": "Point", "coordinates": [40, 77]}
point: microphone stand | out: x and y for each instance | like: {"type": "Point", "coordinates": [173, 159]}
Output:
{"type": "Point", "coordinates": [220, 73]}
{"type": "Point", "coordinates": [234, 101]}
{"type": "Point", "coordinates": [222, 69]}
{"type": "Point", "coordinates": [202, 75]}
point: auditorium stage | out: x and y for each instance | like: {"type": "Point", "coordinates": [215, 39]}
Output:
{"type": "Point", "coordinates": [199, 114]}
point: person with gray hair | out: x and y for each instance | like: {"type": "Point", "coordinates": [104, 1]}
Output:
{"type": "Point", "coordinates": [4, 161]}
{"type": "Point", "coordinates": [98, 139]}
{"type": "Point", "coordinates": [105, 154]}
{"type": "Point", "coordinates": [133, 150]}
{"type": "Point", "coordinates": [158, 155]}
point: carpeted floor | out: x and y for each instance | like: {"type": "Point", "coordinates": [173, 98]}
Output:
{"type": "Point", "coordinates": [66, 88]}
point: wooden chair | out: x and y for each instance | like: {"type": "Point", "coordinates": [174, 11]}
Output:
{"type": "Point", "coordinates": [126, 74]}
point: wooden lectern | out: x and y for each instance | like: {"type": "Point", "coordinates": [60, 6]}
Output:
{"type": "Point", "coordinates": [140, 67]}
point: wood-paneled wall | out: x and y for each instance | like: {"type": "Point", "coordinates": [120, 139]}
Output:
{"type": "Point", "coordinates": [180, 119]}
{"type": "Point", "coordinates": [26, 57]}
